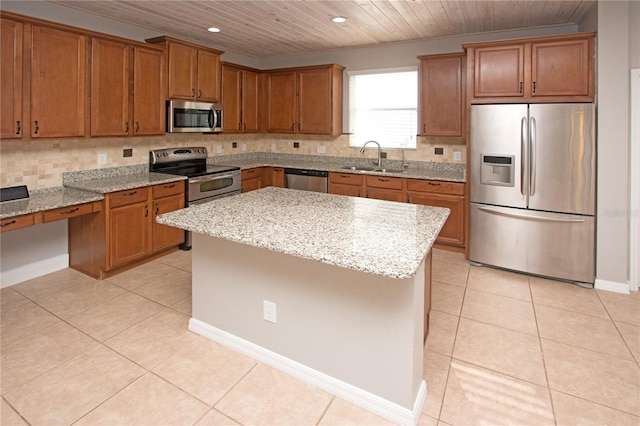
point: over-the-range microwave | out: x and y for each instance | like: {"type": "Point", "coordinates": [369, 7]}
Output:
{"type": "Point", "coordinates": [193, 117]}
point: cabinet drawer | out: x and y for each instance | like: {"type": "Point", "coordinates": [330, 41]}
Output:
{"type": "Point", "coordinates": [11, 223]}
{"type": "Point", "coordinates": [251, 173]}
{"type": "Point", "coordinates": [128, 196]}
{"type": "Point", "coordinates": [384, 182]}
{"type": "Point", "coordinates": [67, 212]}
{"type": "Point", "coordinates": [345, 178]}
{"type": "Point", "coordinates": [435, 186]}
{"type": "Point", "coordinates": [164, 190]}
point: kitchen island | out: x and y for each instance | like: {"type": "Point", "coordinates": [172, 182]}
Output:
{"type": "Point", "coordinates": [328, 288]}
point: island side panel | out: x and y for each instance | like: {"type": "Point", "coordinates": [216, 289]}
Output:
{"type": "Point", "coordinates": [363, 329]}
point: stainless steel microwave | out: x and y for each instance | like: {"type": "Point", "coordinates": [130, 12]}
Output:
{"type": "Point", "coordinates": [193, 117]}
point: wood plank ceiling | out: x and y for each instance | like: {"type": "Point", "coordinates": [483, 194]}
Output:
{"type": "Point", "coordinates": [263, 28]}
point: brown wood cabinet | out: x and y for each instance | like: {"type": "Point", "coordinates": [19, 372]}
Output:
{"type": "Point", "coordinates": [441, 86]}
{"type": "Point", "coordinates": [554, 68]}
{"type": "Point", "coordinates": [17, 222]}
{"type": "Point", "coordinates": [442, 194]}
{"type": "Point", "coordinates": [346, 184]}
{"type": "Point", "coordinates": [273, 176]}
{"type": "Point", "coordinates": [58, 83]}
{"type": "Point", "coordinates": [305, 100]}
{"type": "Point", "coordinates": [117, 107]}
{"type": "Point", "coordinates": [11, 122]}
{"type": "Point", "coordinates": [240, 97]}
{"type": "Point", "coordinates": [194, 71]}
{"type": "Point", "coordinates": [125, 231]}
{"type": "Point", "coordinates": [252, 179]}
{"type": "Point", "coordinates": [386, 188]}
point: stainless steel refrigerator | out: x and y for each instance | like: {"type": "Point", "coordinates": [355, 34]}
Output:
{"type": "Point", "coordinates": [532, 177]}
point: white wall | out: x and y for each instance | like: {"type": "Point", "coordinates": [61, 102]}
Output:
{"type": "Point", "coordinates": [612, 234]}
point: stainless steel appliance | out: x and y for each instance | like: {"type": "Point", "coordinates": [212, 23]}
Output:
{"type": "Point", "coordinates": [205, 182]}
{"type": "Point", "coordinates": [307, 180]}
{"type": "Point", "coordinates": [193, 117]}
{"type": "Point", "coordinates": [532, 176]}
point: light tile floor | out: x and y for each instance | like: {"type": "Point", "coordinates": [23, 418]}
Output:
{"type": "Point", "coordinates": [504, 348]}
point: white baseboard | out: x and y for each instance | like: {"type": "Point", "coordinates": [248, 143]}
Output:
{"type": "Point", "coordinates": [611, 286]}
{"type": "Point", "coordinates": [353, 394]}
{"type": "Point", "coordinates": [33, 270]}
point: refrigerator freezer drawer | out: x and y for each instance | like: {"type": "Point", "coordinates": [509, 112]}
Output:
{"type": "Point", "coordinates": [549, 244]}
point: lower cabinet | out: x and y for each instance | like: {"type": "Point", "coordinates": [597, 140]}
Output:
{"type": "Point", "coordinates": [273, 176]}
{"type": "Point", "coordinates": [125, 230]}
{"type": "Point", "coordinates": [386, 188]}
{"type": "Point", "coordinates": [442, 194]}
{"type": "Point", "coordinates": [251, 179]}
{"type": "Point", "coordinates": [346, 184]}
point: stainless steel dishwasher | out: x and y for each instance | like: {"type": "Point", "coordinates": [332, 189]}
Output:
{"type": "Point", "coordinates": [307, 180]}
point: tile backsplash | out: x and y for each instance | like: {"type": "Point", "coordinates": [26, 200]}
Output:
{"type": "Point", "coordinates": [40, 163]}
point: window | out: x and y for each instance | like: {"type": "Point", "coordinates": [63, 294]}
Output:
{"type": "Point", "coordinates": [383, 106]}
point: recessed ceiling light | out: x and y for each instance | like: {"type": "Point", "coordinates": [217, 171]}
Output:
{"type": "Point", "coordinates": [213, 30]}
{"type": "Point", "coordinates": [339, 19]}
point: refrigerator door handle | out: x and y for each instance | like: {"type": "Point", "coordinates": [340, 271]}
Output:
{"type": "Point", "coordinates": [530, 215]}
{"type": "Point", "coordinates": [532, 156]}
{"type": "Point", "coordinates": [523, 150]}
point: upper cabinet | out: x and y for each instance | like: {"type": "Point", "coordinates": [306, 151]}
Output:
{"type": "Point", "coordinates": [554, 68]}
{"type": "Point", "coordinates": [194, 71]}
{"type": "Point", "coordinates": [305, 100]}
{"type": "Point", "coordinates": [240, 97]}
{"type": "Point", "coordinates": [11, 122]}
{"type": "Point", "coordinates": [442, 91]}
{"type": "Point", "coordinates": [119, 108]}
{"type": "Point", "coordinates": [58, 83]}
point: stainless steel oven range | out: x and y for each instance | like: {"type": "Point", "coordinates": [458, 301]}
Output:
{"type": "Point", "coordinates": [205, 183]}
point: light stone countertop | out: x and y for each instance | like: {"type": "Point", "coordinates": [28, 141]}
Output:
{"type": "Point", "coordinates": [120, 182]}
{"type": "Point", "coordinates": [378, 237]}
{"type": "Point", "coordinates": [47, 199]}
{"type": "Point", "coordinates": [451, 172]}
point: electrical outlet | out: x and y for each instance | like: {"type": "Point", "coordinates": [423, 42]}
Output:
{"type": "Point", "coordinates": [439, 151]}
{"type": "Point", "coordinates": [219, 149]}
{"type": "Point", "coordinates": [244, 146]}
{"type": "Point", "coordinates": [127, 152]}
{"type": "Point", "coordinates": [102, 159]}
{"type": "Point", "coordinates": [321, 149]}
{"type": "Point", "coordinates": [457, 156]}
{"type": "Point", "coordinates": [273, 147]}
{"type": "Point", "coordinates": [269, 311]}
{"type": "Point", "coordinates": [296, 144]}
{"type": "Point", "coordinates": [234, 144]}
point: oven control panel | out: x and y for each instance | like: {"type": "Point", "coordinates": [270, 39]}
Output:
{"type": "Point", "coordinates": [177, 154]}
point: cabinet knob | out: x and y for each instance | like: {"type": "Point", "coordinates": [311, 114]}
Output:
{"type": "Point", "coordinates": [19, 127]}
{"type": "Point", "coordinates": [37, 127]}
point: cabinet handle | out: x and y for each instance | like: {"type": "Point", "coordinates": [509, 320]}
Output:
{"type": "Point", "coordinates": [126, 127]}
{"type": "Point", "coordinates": [37, 127]}
{"type": "Point", "coordinates": [70, 211]}
{"type": "Point", "coordinates": [293, 126]}
{"type": "Point", "coordinates": [199, 93]}
{"type": "Point", "coordinates": [9, 223]}
{"type": "Point", "coordinates": [434, 184]}
{"type": "Point", "coordinates": [534, 87]}
{"type": "Point", "coordinates": [193, 92]}
{"type": "Point", "coordinates": [244, 126]}
{"type": "Point", "coordinates": [137, 126]}
{"type": "Point", "coordinates": [146, 211]}
{"type": "Point", "coordinates": [19, 127]}
{"type": "Point", "coordinates": [383, 180]}
{"type": "Point", "coordinates": [157, 209]}
{"type": "Point", "coordinates": [424, 128]}
{"type": "Point", "coordinates": [170, 186]}
{"type": "Point", "coordinates": [128, 194]}
{"type": "Point", "coordinates": [239, 126]}
{"type": "Point", "coordinates": [299, 127]}
{"type": "Point", "coordinates": [520, 87]}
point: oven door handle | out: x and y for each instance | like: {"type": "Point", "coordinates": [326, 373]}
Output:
{"type": "Point", "coordinates": [210, 178]}
{"type": "Point", "coordinates": [211, 117]}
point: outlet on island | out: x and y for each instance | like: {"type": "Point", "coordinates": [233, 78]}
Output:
{"type": "Point", "coordinates": [269, 311]}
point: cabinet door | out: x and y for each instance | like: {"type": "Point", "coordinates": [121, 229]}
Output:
{"type": "Point", "coordinates": [183, 63]}
{"type": "Point", "coordinates": [314, 101]}
{"type": "Point", "coordinates": [452, 232]}
{"type": "Point", "coordinates": [110, 65]}
{"type": "Point", "coordinates": [560, 68]}
{"type": "Point", "coordinates": [281, 92]}
{"type": "Point", "coordinates": [128, 233]}
{"type": "Point", "coordinates": [273, 176]}
{"type": "Point", "coordinates": [441, 105]}
{"type": "Point", "coordinates": [148, 92]}
{"type": "Point", "coordinates": [250, 99]}
{"type": "Point", "coordinates": [58, 91]}
{"type": "Point", "coordinates": [208, 76]}
{"type": "Point", "coordinates": [11, 124]}
{"type": "Point", "coordinates": [251, 184]}
{"type": "Point", "coordinates": [166, 236]}
{"type": "Point", "coordinates": [231, 99]}
{"type": "Point", "coordinates": [342, 189]}
{"type": "Point", "coordinates": [499, 71]}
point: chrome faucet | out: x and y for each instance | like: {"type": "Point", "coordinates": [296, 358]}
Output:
{"type": "Point", "coordinates": [379, 152]}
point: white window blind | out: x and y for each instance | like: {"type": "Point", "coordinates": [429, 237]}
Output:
{"type": "Point", "coordinates": [383, 106]}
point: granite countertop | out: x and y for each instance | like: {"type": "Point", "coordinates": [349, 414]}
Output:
{"type": "Point", "coordinates": [120, 182]}
{"type": "Point", "coordinates": [378, 237]}
{"type": "Point", "coordinates": [452, 172]}
{"type": "Point", "coordinates": [47, 199]}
